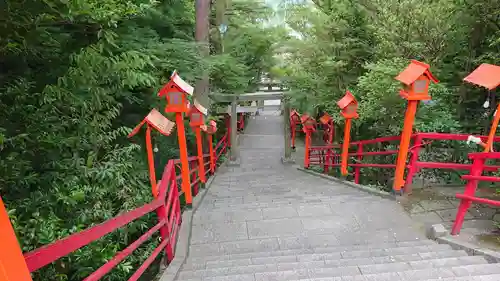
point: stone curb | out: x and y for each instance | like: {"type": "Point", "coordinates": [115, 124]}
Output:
{"type": "Point", "coordinates": [351, 184]}
{"type": "Point", "coordinates": [473, 250]}
{"type": "Point", "coordinates": [182, 247]}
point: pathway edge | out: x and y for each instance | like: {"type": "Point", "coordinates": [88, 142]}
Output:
{"type": "Point", "coordinates": [350, 184]}
{"type": "Point", "coordinates": [182, 248]}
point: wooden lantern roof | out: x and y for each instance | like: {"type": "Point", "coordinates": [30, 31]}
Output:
{"type": "Point", "coordinates": [413, 71]}
{"type": "Point", "coordinates": [294, 112]}
{"type": "Point", "coordinates": [346, 100]}
{"type": "Point", "coordinates": [200, 107]}
{"type": "Point", "coordinates": [325, 119]}
{"type": "Point", "coordinates": [156, 120]}
{"type": "Point", "coordinates": [486, 75]}
{"type": "Point", "coordinates": [177, 82]}
{"type": "Point", "coordinates": [305, 117]}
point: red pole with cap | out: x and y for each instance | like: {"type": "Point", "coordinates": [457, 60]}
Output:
{"type": "Point", "coordinates": [415, 80]}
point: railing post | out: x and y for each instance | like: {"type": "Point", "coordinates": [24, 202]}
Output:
{"type": "Point", "coordinates": [357, 169]}
{"type": "Point", "coordinates": [199, 147]}
{"type": "Point", "coordinates": [413, 167]}
{"type": "Point", "coordinates": [228, 130]}
{"type": "Point", "coordinates": [183, 155]}
{"type": "Point", "coordinates": [162, 214]}
{"type": "Point", "coordinates": [234, 156]}
{"type": "Point", "coordinates": [345, 147]}
{"type": "Point", "coordinates": [211, 153]}
{"type": "Point", "coordinates": [12, 264]}
{"type": "Point", "coordinates": [470, 189]}
{"type": "Point", "coordinates": [194, 178]}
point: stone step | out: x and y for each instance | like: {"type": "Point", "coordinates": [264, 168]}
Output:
{"type": "Point", "coordinates": [352, 269]}
{"type": "Point", "coordinates": [491, 277]}
{"type": "Point", "coordinates": [352, 251]}
{"type": "Point", "coordinates": [365, 265]}
{"type": "Point", "coordinates": [326, 242]}
{"type": "Point", "coordinates": [462, 272]}
{"type": "Point", "coordinates": [238, 203]}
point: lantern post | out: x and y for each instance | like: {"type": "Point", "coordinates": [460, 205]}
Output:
{"type": "Point", "coordinates": [160, 123]}
{"type": "Point", "coordinates": [177, 91]}
{"type": "Point", "coordinates": [415, 79]}
{"type": "Point", "coordinates": [12, 263]}
{"type": "Point", "coordinates": [349, 107]}
{"type": "Point", "coordinates": [210, 129]}
{"type": "Point", "coordinates": [294, 120]}
{"type": "Point", "coordinates": [308, 127]}
{"type": "Point", "coordinates": [488, 76]}
{"type": "Point", "coordinates": [327, 122]}
{"type": "Point", "coordinates": [196, 116]}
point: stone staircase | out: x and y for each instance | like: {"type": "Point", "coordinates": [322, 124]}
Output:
{"type": "Point", "coordinates": [266, 222]}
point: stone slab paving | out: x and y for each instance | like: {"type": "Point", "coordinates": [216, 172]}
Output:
{"type": "Point", "coordinates": [266, 221]}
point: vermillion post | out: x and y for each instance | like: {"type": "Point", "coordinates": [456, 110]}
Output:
{"type": "Point", "coordinates": [306, 148]}
{"type": "Point", "coordinates": [330, 143]}
{"type": "Point", "coordinates": [151, 162]}
{"type": "Point", "coordinates": [12, 264]}
{"type": "Point", "coordinates": [345, 146]}
{"type": "Point", "coordinates": [404, 144]}
{"type": "Point", "coordinates": [493, 130]}
{"type": "Point", "coordinates": [415, 79]}
{"type": "Point", "coordinates": [201, 164]}
{"type": "Point", "coordinates": [293, 128]}
{"type": "Point", "coordinates": [183, 155]}
{"type": "Point", "coordinates": [212, 153]}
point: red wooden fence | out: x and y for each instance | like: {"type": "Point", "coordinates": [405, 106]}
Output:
{"type": "Point", "coordinates": [167, 207]}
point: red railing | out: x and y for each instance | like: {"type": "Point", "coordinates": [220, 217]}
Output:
{"type": "Point", "coordinates": [167, 207]}
{"type": "Point", "coordinates": [319, 155]}
{"type": "Point", "coordinates": [475, 176]}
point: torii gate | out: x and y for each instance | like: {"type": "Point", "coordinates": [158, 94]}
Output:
{"type": "Point", "coordinates": [234, 159]}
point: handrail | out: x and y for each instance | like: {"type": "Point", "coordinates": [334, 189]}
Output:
{"type": "Point", "coordinates": [317, 155]}
{"type": "Point", "coordinates": [473, 179]}
{"type": "Point", "coordinates": [167, 207]}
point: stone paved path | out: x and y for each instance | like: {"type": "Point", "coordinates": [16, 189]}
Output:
{"type": "Point", "coordinates": [263, 221]}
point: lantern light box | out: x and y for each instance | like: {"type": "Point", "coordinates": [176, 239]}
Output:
{"type": "Point", "coordinates": [308, 123]}
{"type": "Point", "coordinates": [196, 114]}
{"type": "Point", "coordinates": [416, 78]}
{"type": "Point", "coordinates": [348, 105]}
{"type": "Point", "coordinates": [176, 91]}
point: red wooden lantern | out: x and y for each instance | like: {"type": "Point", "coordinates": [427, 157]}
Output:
{"type": "Point", "coordinates": [348, 105]}
{"type": "Point", "coordinates": [488, 76]}
{"type": "Point", "coordinates": [160, 123]}
{"type": "Point", "coordinates": [295, 117]}
{"type": "Point", "coordinates": [308, 123]}
{"type": "Point", "coordinates": [416, 79]}
{"type": "Point", "coordinates": [197, 113]}
{"type": "Point", "coordinates": [176, 92]}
